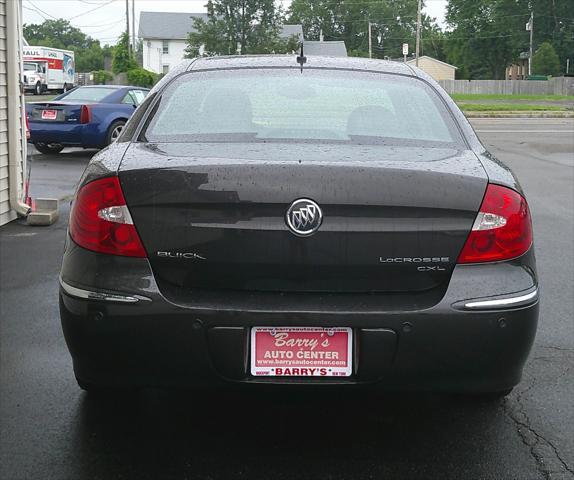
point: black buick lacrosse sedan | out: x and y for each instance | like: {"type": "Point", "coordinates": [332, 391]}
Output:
{"type": "Point", "coordinates": [265, 220]}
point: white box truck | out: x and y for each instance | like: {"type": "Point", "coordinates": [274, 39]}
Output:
{"type": "Point", "coordinates": [48, 69]}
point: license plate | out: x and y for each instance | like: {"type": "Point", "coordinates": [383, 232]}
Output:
{"type": "Point", "coordinates": [49, 114]}
{"type": "Point", "coordinates": [301, 351]}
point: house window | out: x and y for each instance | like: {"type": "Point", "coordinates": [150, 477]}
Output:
{"type": "Point", "coordinates": [165, 46]}
{"type": "Point", "coordinates": [165, 69]}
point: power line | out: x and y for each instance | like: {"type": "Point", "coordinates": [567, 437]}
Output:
{"type": "Point", "coordinates": [100, 25]}
{"type": "Point", "coordinates": [397, 18]}
{"type": "Point", "coordinates": [35, 11]}
{"type": "Point", "coordinates": [92, 10]}
{"type": "Point", "coordinates": [472, 37]}
{"type": "Point", "coordinates": [113, 25]}
{"type": "Point", "coordinates": [39, 10]}
{"type": "Point", "coordinates": [45, 14]}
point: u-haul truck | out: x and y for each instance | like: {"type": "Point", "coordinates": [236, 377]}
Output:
{"type": "Point", "coordinates": [48, 69]}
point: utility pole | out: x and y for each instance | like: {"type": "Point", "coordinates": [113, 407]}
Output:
{"type": "Point", "coordinates": [370, 40]}
{"type": "Point", "coordinates": [128, 23]}
{"type": "Point", "coordinates": [531, 28]}
{"type": "Point", "coordinates": [134, 26]}
{"type": "Point", "coordinates": [418, 41]}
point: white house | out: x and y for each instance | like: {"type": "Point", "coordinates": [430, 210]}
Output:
{"type": "Point", "coordinates": [164, 36]}
{"type": "Point", "coordinates": [12, 127]}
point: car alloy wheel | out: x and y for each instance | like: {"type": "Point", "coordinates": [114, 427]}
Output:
{"type": "Point", "coordinates": [116, 132]}
{"type": "Point", "coordinates": [48, 148]}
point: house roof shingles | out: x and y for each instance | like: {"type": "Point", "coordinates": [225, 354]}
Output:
{"type": "Point", "coordinates": [327, 48]}
{"type": "Point", "coordinates": [177, 25]}
{"type": "Point", "coordinates": [167, 25]}
{"type": "Point", "coordinates": [288, 31]}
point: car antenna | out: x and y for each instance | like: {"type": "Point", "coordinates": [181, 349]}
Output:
{"type": "Point", "coordinates": [301, 59]}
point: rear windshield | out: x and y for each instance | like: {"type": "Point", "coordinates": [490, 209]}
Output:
{"type": "Point", "coordinates": [91, 94]}
{"type": "Point", "coordinates": [287, 105]}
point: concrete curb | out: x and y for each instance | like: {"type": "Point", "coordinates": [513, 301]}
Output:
{"type": "Point", "coordinates": [534, 114]}
{"type": "Point", "coordinates": [46, 212]}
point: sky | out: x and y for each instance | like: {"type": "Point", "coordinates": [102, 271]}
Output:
{"type": "Point", "coordinates": [105, 19]}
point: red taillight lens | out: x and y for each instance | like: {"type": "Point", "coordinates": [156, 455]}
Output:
{"type": "Point", "coordinates": [85, 114]}
{"type": "Point", "coordinates": [27, 128]}
{"type": "Point", "coordinates": [100, 220]}
{"type": "Point", "coordinates": [502, 229]}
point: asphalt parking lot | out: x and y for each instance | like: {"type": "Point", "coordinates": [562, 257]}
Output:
{"type": "Point", "coordinates": [50, 429]}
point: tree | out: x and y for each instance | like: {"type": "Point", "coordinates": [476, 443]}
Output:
{"type": "Point", "coordinates": [545, 61]}
{"type": "Point", "coordinates": [554, 23]}
{"type": "Point", "coordinates": [392, 21]}
{"type": "Point", "coordinates": [486, 36]}
{"type": "Point", "coordinates": [61, 34]}
{"type": "Point", "coordinates": [123, 60]}
{"type": "Point", "coordinates": [245, 26]}
{"type": "Point", "coordinates": [139, 52]}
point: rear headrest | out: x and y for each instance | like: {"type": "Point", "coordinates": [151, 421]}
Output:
{"type": "Point", "coordinates": [227, 110]}
{"type": "Point", "coordinates": [372, 120]}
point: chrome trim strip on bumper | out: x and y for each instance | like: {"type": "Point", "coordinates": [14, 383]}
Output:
{"type": "Point", "coordinates": [503, 302]}
{"type": "Point", "coordinates": [101, 296]}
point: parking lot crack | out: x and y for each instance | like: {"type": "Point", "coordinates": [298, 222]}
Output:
{"type": "Point", "coordinates": [534, 439]}
{"type": "Point", "coordinates": [560, 349]}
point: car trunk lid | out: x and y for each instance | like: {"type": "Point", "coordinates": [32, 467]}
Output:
{"type": "Point", "coordinates": [54, 112]}
{"type": "Point", "coordinates": [212, 215]}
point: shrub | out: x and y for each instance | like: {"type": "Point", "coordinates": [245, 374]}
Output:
{"type": "Point", "coordinates": [545, 61]}
{"type": "Point", "coordinates": [141, 77]}
{"type": "Point", "coordinates": [101, 77]}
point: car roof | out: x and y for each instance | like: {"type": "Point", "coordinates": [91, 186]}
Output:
{"type": "Point", "coordinates": [114, 87]}
{"type": "Point", "coordinates": [275, 61]}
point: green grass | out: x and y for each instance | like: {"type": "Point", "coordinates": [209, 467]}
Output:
{"type": "Point", "coordinates": [510, 107]}
{"type": "Point", "coordinates": [39, 98]}
{"type": "Point", "coordinates": [546, 98]}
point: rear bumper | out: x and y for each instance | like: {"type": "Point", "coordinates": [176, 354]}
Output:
{"type": "Point", "coordinates": [70, 135]}
{"type": "Point", "coordinates": [156, 342]}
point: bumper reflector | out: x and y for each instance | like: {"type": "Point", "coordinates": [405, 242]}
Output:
{"type": "Point", "coordinates": [496, 303]}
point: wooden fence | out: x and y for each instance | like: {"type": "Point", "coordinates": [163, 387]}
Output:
{"type": "Point", "coordinates": [554, 86]}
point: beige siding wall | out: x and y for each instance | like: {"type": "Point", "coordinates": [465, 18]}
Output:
{"type": "Point", "coordinates": [437, 70]}
{"type": "Point", "coordinates": [6, 214]}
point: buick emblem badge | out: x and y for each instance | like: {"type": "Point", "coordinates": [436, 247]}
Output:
{"type": "Point", "coordinates": [304, 217]}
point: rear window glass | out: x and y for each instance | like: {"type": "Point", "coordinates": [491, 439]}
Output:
{"type": "Point", "coordinates": [287, 105]}
{"type": "Point", "coordinates": [92, 94]}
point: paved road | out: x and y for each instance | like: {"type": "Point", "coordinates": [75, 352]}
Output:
{"type": "Point", "coordinates": [510, 99]}
{"type": "Point", "coordinates": [55, 176]}
{"type": "Point", "coordinates": [51, 430]}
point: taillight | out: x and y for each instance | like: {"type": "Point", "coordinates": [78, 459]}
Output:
{"type": "Point", "coordinates": [502, 229]}
{"type": "Point", "coordinates": [27, 128]}
{"type": "Point", "coordinates": [85, 114]}
{"type": "Point", "coordinates": [100, 220]}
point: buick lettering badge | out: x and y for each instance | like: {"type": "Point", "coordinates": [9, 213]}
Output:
{"type": "Point", "coordinates": [304, 217]}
